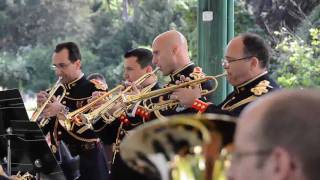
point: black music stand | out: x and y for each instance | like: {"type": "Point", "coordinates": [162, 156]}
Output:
{"type": "Point", "coordinates": [23, 142]}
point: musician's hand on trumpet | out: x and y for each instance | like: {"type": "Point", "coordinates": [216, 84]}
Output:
{"type": "Point", "coordinates": [95, 95]}
{"type": "Point", "coordinates": [135, 89]}
{"type": "Point", "coordinates": [54, 108]}
{"type": "Point", "coordinates": [42, 96]}
{"type": "Point", "coordinates": [186, 96]}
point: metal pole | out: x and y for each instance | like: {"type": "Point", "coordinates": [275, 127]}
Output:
{"type": "Point", "coordinates": [9, 134]}
{"type": "Point", "coordinates": [212, 40]}
{"type": "Point", "coordinates": [230, 28]}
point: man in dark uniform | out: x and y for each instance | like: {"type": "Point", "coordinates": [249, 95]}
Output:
{"type": "Point", "coordinates": [137, 62]}
{"type": "Point", "coordinates": [170, 54]}
{"type": "Point", "coordinates": [79, 139]}
{"type": "Point", "coordinates": [246, 62]}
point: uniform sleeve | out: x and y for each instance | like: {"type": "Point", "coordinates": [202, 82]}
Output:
{"type": "Point", "coordinates": [49, 126]}
{"type": "Point", "coordinates": [107, 132]}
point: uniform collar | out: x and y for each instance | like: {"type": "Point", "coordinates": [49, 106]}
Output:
{"type": "Point", "coordinates": [186, 70]}
{"type": "Point", "coordinates": [76, 81]}
{"type": "Point", "coordinates": [252, 82]}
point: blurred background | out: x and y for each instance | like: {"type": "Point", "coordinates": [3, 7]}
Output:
{"type": "Point", "coordinates": [106, 29]}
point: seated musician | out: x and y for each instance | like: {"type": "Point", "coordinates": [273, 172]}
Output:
{"type": "Point", "coordinates": [80, 140]}
{"type": "Point", "coordinates": [137, 62]}
{"type": "Point", "coordinates": [246, 63]}
{"type": "Point", "coordinates": [277, 138]}
{"type": "Point", "coordinates": [170, 54]}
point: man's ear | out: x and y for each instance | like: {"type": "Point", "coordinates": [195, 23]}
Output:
{"type": "Point", "coordinates": [78, 64]}
{"type": "Point", "coordinates": [255, 63]}
{"type": "Point", "coordinates": [175, 49]}
{"type": "Point", "coordinates": [283, 164]}
{"type": "Point", "coordinates": [148, 69]}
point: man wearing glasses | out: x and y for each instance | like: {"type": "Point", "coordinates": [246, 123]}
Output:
{"type": "Point", "coordinates": [246, 62]}
{"type": "Point", "coordinates": [80, 140]}
{"type": "Point", "coordinates": [277, 138]}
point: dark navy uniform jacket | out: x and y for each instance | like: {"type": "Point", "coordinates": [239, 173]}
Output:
{"type": "Point", "coordinates": [243, 94]}
{"type": "Point", "coordinates": [108, 134]}
{"type": "Point", "coordinates": [80, 140]}
{"type": "Point", "coordinates": [76, 96]}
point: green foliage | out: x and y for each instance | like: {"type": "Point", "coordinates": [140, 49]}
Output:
{"type": "Point", "coordinates": [244, 19]}
{"type": "Point", "coordinates": [115, 34]}
{"type": "Point", "coordinates": [299, 60]}
{"type": "Point", "coordinates": [12, 71]}
{"type": "Point", "coordinates": [41, 21]}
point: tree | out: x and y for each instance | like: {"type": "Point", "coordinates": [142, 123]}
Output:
{"type": "Point", "coordinates": [271, 15]}
{"type": "Point", "coordinates": [299, 60]}
{"type": "Point", "coordinates": [49, 20]}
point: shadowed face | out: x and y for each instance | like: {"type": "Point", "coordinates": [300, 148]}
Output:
{"type": "Point", "coordinates": [246, 160]}
{"type": "Point", "coordinates": [133, 70]}
{"type": "Point", "coordinates": [64, 68]}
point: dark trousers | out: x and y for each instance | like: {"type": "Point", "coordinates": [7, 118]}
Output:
{"type": "Point", "coordinates": [93, 165]}
{"type": "Point", "coordinates": [3, 178]}
{"type": "Point", "coordinates": [69, 164]}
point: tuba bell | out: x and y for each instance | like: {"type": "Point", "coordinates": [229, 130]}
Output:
{"type": "Point", "coordinates": [182, 147]}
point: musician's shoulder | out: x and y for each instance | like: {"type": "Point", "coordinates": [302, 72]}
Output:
{"type": "Point", "coordinates": [99, 85]}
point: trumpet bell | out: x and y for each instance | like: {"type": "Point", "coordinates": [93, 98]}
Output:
{"type": "Point", "coordinates": [180, 147]}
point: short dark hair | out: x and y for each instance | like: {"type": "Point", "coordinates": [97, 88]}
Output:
{"type": "Point", "coordinates": [293, 122]}
{"type": "Point", "coordinates": [74, 52]}
{"type": "Point", "coordinates": [254, 45]}
{"type": "Point", "coordinates": [144, 56]}
{"type": "Point", "coordinates": [96, 76]}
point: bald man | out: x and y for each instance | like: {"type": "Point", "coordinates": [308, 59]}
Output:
{"type": "Point", "coordinates": [170, 54]}
{"type": "Point", "coordinates": [246, 63]}
{"type": "Point", "coordinates": [277, 137]}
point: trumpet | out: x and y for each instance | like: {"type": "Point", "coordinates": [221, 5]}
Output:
{"type": "Point", "coordinates": [170, 103]}
{"type": "Point", "coordinates": [103, 110]}
{"type": "Point", "coordinates": [78, 113]}
{"type": "Point", "coordinates": [37, 114]}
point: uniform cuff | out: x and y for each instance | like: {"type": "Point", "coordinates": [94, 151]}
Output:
{"type": "Point", "coordinates": [200, 105]}
{"type": "Point", "coordinates": [124, 119]}
{"type": "Point", "coordinates": [143, 113]}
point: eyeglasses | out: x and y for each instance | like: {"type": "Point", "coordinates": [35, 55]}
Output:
{"type": "Point", "coordinates": [60, 66]}
{"type": "Point", "coordinates": [238, 155]}
{"type": "Point", "coordinates": [226, 62]}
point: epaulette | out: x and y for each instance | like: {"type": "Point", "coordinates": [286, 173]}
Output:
{"type": "Point", "coordinates": [99, 85]}
{"type": "Point", "coordinates": [261, 88]}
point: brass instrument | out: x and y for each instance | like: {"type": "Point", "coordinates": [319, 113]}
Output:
{"type": "Point", "coordinates": [36, 116]}
{"type": "Point", "coordinates": [170, 103]}
{"type": "Point", "coordinates": [181, 147]}
{"type": "Point", "coordinates": [77, 113]}
{"type": "Point", "coordinates": [18, 176]}
{"type": "Point", "coordinates": [103, 110]}
{"type": "Point", "coordinates": [25, 176]}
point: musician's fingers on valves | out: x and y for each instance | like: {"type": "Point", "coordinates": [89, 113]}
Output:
{"type": "Point", "coordinates": [42, 96]}
{"type": "Point", "coordinates": [186, 96]}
